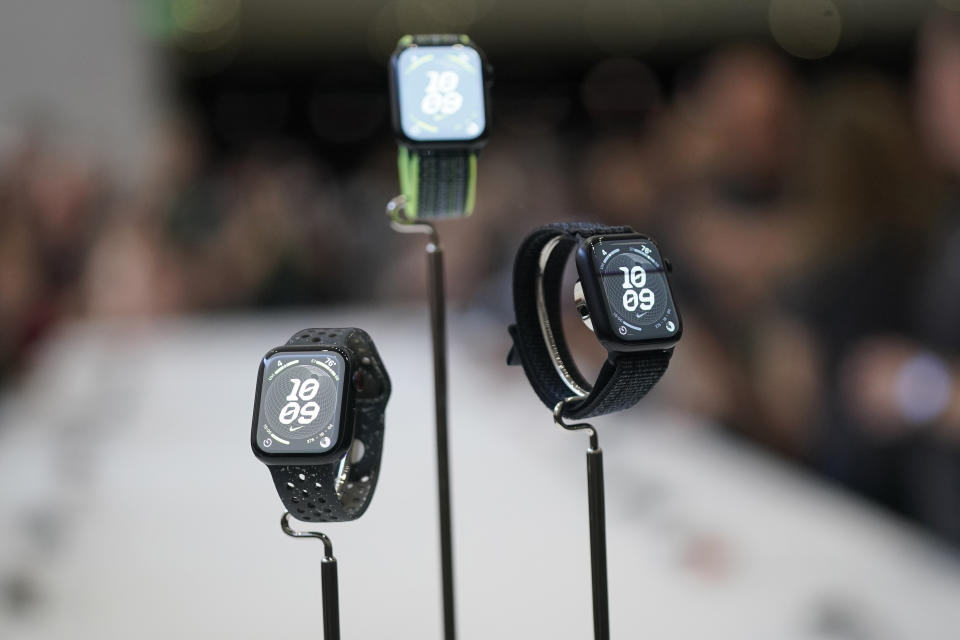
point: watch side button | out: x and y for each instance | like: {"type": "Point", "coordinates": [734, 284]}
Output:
{"type": "Point", "coordinates": [668, 265]}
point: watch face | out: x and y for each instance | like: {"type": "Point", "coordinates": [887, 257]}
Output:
{"type": "Point", "coordinates": [441, 93]}
{"type": "Point", "coordinates": [300, 402]}
{"type": "Point", "coordinates": [634, 286]}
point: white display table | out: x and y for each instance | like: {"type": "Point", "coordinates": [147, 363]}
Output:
{"type": "Point", "coordinates": [131, 503]}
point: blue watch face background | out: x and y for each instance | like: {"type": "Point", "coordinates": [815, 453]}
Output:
{"type": "Point", "coordinates": [440, 90]}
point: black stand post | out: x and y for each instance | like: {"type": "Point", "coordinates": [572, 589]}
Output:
{"type": "Point", "coordinates": [598, 544]}
{"type": "Point", "coordinates": [598, 527]}
{"type": "Point", "coordinates": [331, 599]}
{"type": "Point", "coordinates": [438, 331]}
{"type": "Point", "coordinates": [328, 579]}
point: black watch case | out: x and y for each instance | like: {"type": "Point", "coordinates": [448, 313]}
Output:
{"type": "Point", "coordinates": [421, 145]}
{"type": "Point", "coordinates": [590, 281]}
{"type": "Point", "coordinates": [347, 414]}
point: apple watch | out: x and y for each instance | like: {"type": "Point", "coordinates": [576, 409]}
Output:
{"type": "Point", "coordinates": [318, 421]}
{"type": "Point", "coordinates": [439, 89]}
{"type": "Point", "coordinates": [623, 294]}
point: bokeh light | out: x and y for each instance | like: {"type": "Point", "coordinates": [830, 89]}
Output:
{"type": "Point", "coordinates": [623, 26]}
{"type": "Point", "coordinates": [806, 28]}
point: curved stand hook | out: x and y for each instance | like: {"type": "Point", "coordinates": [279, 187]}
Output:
{"type": "Point", "coordinates": [293, 533]}
{"type": "Point", "coordinates": [578, 426]}
{"type": "Point", "coordinates": [328, 578]}
{"type": "Point", "coordinates": [402, 225]}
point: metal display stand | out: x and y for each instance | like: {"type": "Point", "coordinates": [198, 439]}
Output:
{"type": "Point", "coordinates": [328, 579]}
{"type": "Point", "coordinates": [598, 527]}
{"type": "Point", "coordinates": [438, 331]}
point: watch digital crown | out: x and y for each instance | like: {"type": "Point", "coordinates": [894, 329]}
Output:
{"type": "Point", "coordinates": [580, 302]}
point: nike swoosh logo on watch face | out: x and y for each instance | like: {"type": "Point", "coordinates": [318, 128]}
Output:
{"type": "Point", "coordinates": [292, 429]}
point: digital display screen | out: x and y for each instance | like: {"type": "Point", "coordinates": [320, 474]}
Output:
{"type": "Point", "coordinates": [635, 290]}
{"type": "Point", "coordinates": [440, 89]}
{"type": "Point", "coordinates": [301, 398]}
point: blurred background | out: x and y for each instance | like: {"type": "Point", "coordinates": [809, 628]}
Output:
{"type": "Point", "coordinates": [173, 164]}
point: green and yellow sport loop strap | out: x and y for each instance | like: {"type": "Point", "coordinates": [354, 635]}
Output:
{"type": "Point", "coordinates": [437, 183]}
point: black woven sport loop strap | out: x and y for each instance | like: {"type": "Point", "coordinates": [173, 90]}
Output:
{"type": "Point", "coordinates": [624, 378]}
{"type": "Point", "coordinates": [317, 493]}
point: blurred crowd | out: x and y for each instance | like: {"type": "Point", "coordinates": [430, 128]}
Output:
{"type": "Point", "coordinates": [814, 225]}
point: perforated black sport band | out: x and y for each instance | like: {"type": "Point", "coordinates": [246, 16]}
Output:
{"type": "Point", "coordinates": [317, 493]}
{"type": "Point", "coordinates": [624, 378]}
